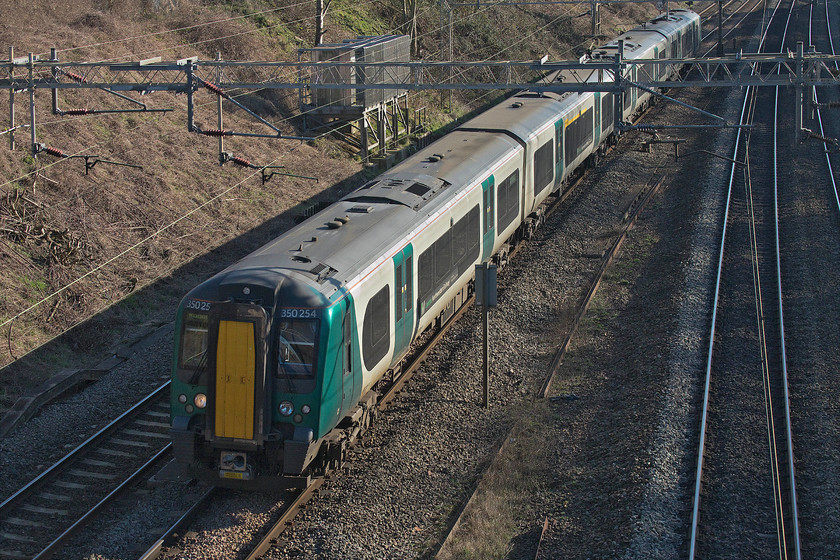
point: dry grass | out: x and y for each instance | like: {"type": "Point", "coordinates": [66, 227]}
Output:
{"type": "Point", "coordinates": [490, 522]}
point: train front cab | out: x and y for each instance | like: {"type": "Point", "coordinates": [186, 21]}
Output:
{"type": "Point", "coordinates": [268, 388]}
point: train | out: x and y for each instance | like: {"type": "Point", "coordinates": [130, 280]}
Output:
{"type": "Point", "coordinates": [277, 357]}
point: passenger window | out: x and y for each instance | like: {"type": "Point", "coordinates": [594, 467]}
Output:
{"type": "Point", "coordinates": [508, 200]}
{"type": "Point", "coordinates": [443, 257]}
{"type": "Point", "coordinates": [377, 328]}
{"type": "Point", "coordinates": [450, 256]}
{"type": "Point", "coordinates": [607, 112]}
{"type": "Point", "coordinates": [578, 135]}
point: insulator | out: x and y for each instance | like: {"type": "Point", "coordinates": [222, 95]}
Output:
{"type": "Point", "coordinates": [78, 112]}
{"type": "Point", "coordinates": [216, 132]}
{"type": "Point", "coordinates": [215, 89]}
{"type": "Point", "coordinates": [55, 152]}
{"type": "Point", "coordinates": [76, 77]}
{"type": "Point", "coordinates": [240, 161]}
{"type": "Point", "coordinates": [822, 138]}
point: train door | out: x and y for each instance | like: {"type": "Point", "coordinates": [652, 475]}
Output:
{"type": "Point", "coordinates": [488, 188]}
{"type": "Point", "coordinates": [347, 389]}
{"type": "Point", "coordinates": [403, 300]}
{"type": "Point", "coordinates": [597, 125]}
{"type": "Point", "coordinates": [657, 69]}
{"type": "Point", "coordinates": [558, 161]}
{"type": "Point", "coordinates": [238, 335]}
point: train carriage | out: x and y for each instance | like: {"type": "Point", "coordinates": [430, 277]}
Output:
{"type": "Point", "coordinates": [279, 354]}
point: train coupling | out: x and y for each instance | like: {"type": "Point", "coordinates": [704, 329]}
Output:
{"type": "Point", "coordinates": [234, 465]}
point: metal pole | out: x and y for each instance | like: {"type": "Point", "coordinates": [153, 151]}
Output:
{"type": "Point", "coordinates": [720, 28]}
{"type": "Point", "coordinates": [219, 110]}
{"type": "Point", "coordinates": [32, 101]}
{"type": "Point", "coordinates": [395, 121]}
{"type": "Point", "coordinates": [190, 109]}
{"type": "Point", "coordinates": [618, 98]}
{"type": "Point", "coordinates": [363, 138]}
{"type": "Point", "coordinates": [800, 54]}
{"type": "Point", "coordinates": [11, 100]}
{"type": "Point", "coordinates": [451, 47]}
{"type": "Point", "coordinates": [381, 130]}
{"type": "Point", "coordinates": [485, 312]}
{"type": "Point", "coordinates": [54, 58]}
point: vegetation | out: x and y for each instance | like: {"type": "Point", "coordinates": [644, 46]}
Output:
{"type": "Point", "coordinates": [490, 523]}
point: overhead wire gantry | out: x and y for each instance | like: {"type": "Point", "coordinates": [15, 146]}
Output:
{"type": "Point", "coordinates": [800, 70]}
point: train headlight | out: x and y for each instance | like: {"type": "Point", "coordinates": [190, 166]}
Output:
{"type": "Point", "coordinates": [298, 418]}
{"type": "Point", "coordinates": [200, 400]}
{"type": "Point", "coordinates": [182, 399]}
{"type": "Point", "coordinates": [305, 409]}
{"type": "Point", "coordinates": [286, 408]}
{"type": "Point", "coordinates": [189, 408]}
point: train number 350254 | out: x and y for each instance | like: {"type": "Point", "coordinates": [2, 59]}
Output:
{"type": "Point", "coordinates": [298, 313]}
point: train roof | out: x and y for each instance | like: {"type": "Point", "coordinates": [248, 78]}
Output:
{"type": "Point", "coordinates": [522, 116]}
{"type": "Point", "coordinates": [339, 243]}
{"type": "Point", "coordinates": [639, 39]}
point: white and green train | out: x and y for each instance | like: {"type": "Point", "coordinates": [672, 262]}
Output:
{"type": "Point", "coordinates": [277, 355]}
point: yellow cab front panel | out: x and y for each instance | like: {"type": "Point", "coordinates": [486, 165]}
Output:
{"type": "Point", "coordinates": [235, 363]}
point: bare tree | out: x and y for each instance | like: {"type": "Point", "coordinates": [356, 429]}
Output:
{"type": "Point", "coordinates": [321, 6]}
{"type": "Point", "coordinates": [410, 25]}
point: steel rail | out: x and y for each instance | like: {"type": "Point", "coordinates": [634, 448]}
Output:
{"type": "Point", "coordinates": [632, 214]}
{"type": "Point", "coordinates": [785, 386]}
{"type": "Point", "coordinates": [156, 549]}
{"type": "Point", "coordinates": [12, 500]}
{"type": "Point", "coordinates": [415, 362]}
{"type": "Point", "coordinates": [702, 13]}
{"type": "Point", "coordinates": [270, 538]}
{"type": "Point", "coordinates": [726, 20]}
{"type": "Point", "coordinates": [695, 514]}
{"type": "Point", "coordinates": [51, 548]}
{"type": "Point", "coordinates": [734, 27]}
{"type": "Point", "coordinates": [817, 100]}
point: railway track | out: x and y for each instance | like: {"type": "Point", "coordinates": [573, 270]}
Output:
{"type": "Point", "coordinates": [811, 228]}
{"type": "Point", "coordinates": [745, 484]}
{"type": "Point", "coordinates": [827, 134]}
{"type": "Point", "coordinates": [632, 214]}
{"type": "Point", "coordinates": [730, 25]}
{"type": "Point", "coordinates": [307, 498]}
{"type": "Point", "coordinates": [271, 536]}
{"type": "Point", "coordinates": [128, 431]}
{"type": "Point", "coordinates": [744, 10]}
{"type": "Point", "coordinates": [37, 519]}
